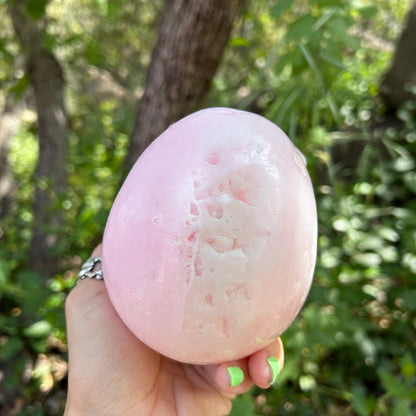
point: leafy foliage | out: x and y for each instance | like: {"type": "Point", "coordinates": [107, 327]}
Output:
{"type": "Point", "coordinates": [308, 66]}
{"type": "Point", "coordinates": [360, 315]}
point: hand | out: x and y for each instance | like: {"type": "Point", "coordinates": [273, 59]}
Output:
{"type": "Point", "coordinates": [112, 373]}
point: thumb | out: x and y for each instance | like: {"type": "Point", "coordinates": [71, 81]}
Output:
{"type": "Point", "coordinates": [89, 318]}
{"type": "Point", "coordinates": [100, 346]}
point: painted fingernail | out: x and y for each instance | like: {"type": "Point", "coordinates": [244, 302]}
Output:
{"type": "Point", "coordinates": [274, 367]}
{"type": "Point", "coordinates": [236, 376]}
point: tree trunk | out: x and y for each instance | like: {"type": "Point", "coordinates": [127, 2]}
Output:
{"type": "Point", "coordinates": [9, 126]}
{"type": "Point", "coordinates": [192, 37]}
{"type": "Point", "coordinates": [46, 78]}
{"type": "Point", "coordinates": [399, 83]}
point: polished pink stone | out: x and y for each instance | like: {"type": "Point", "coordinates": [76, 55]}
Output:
{"type": "Point", "coordinates": [210, 246]}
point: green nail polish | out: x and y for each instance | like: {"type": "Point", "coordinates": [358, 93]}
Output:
{"type": "Point", "coordinates": [236, 376]}
{"type": "Point", "coordinates": [274, 366]}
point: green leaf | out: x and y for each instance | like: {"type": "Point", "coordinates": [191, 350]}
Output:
{"type": "Point", "coordinates": [243, 405]}
{"type": "Point", "coordinates": [368, 11]}
{"type": "Point", "coordinates": [389, 234]}
{"type": "Point", "coordinates": [103, 6]}
{"type": "Point", "coordinates": [281, 114]}
{"type": "Point", "coordinates": [332, 54]}
{"type": "Point", "coordinates": [36, 8]}
{"type": "Point", "coordinates": [293, 58]}
{"type": "Point", "coordinates": [50, 41]}
{"type": "Point", "coordinates": [20, 86]}
{"type": "Point", "coordinates": [402, 408]}
{"type": "Point", "coordinates": [412, 394]}
{"type": "Point", "coordinates": [113, 9]}
{"type": "Point", "coordinates": [32, 411]}
{"type": "Point", "coordinates": [404, 164]}
{"type": "Point", "coordinates": [410, 180]}
{"type": "Point", "coordinates": [278, 9]}
{"type": "Point", "coordinates": [320, 78]}
{"type": "Point", "coordinates": [394, 387]}
{"type": "Point", "coordinates": [364, 405]}
{"type": "Point", "coordinates": [93, 53]}
{"type": "Point", "coordinates": [239, 41]}
{"type": "Point", "coordinates": [409, 298]}
{"type": "Point", "coordinates": [312, 63]}
{"type": "Point", "coordinates": [301, 28]}
{"type": "Point", "coordinates": [407, 366]}
{"type": "Point", "coordinates": [367, 259]}
{"type": "Point", "coordinates": [324, 19]}
{"type": "Point", "coordinates": [12, 346]}
{"type": "Point", "coordinates": [359, 400]}
{"type": "Point", "coordinates": [30, 280]}
{"type": "Point", "coordinates": [327, 3]}
{"type": "Point", "coordinates": [338, 29]}
{"type": "Point", "coordinates": [38, 329]}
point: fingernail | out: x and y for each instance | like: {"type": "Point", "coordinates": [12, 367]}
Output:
{"type": "Point", "coordinates": [236, 376]}
{"type": "Point", "coordinates": [274, 367]}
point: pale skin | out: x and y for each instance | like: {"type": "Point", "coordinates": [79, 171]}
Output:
{"type": "Point", "coordinates": [112, 373]}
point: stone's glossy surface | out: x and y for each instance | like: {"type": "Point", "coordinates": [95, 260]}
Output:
{"type": "Point", "coordinates": [210, 246]}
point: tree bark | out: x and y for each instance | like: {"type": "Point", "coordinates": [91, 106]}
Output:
{"type": "Point", "coordinates": [46, 78]}
{"type": "Point", "coordinates": [192, 37]}
{"type": "Point", "coordinates": [399, 84]}
{"type": "Point", "coordinates": [9, 126]}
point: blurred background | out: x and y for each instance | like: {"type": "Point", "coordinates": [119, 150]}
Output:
{"type": "Point", "coordinates": [85, 85]}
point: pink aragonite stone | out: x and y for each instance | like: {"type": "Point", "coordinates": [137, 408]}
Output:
{"type": "Point", "coordinates": [210, 246]}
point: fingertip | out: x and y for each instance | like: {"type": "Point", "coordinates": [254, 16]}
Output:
{"type": "Point", "coordinates": [234, 377]}
{"type": "Point", "coordinates": [265, 364]}
{"type": "Point", "coordinates": [274, 368]}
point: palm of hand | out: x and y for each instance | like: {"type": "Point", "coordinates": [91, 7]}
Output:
{"type": "Point", "coordinates": [124, 375]}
